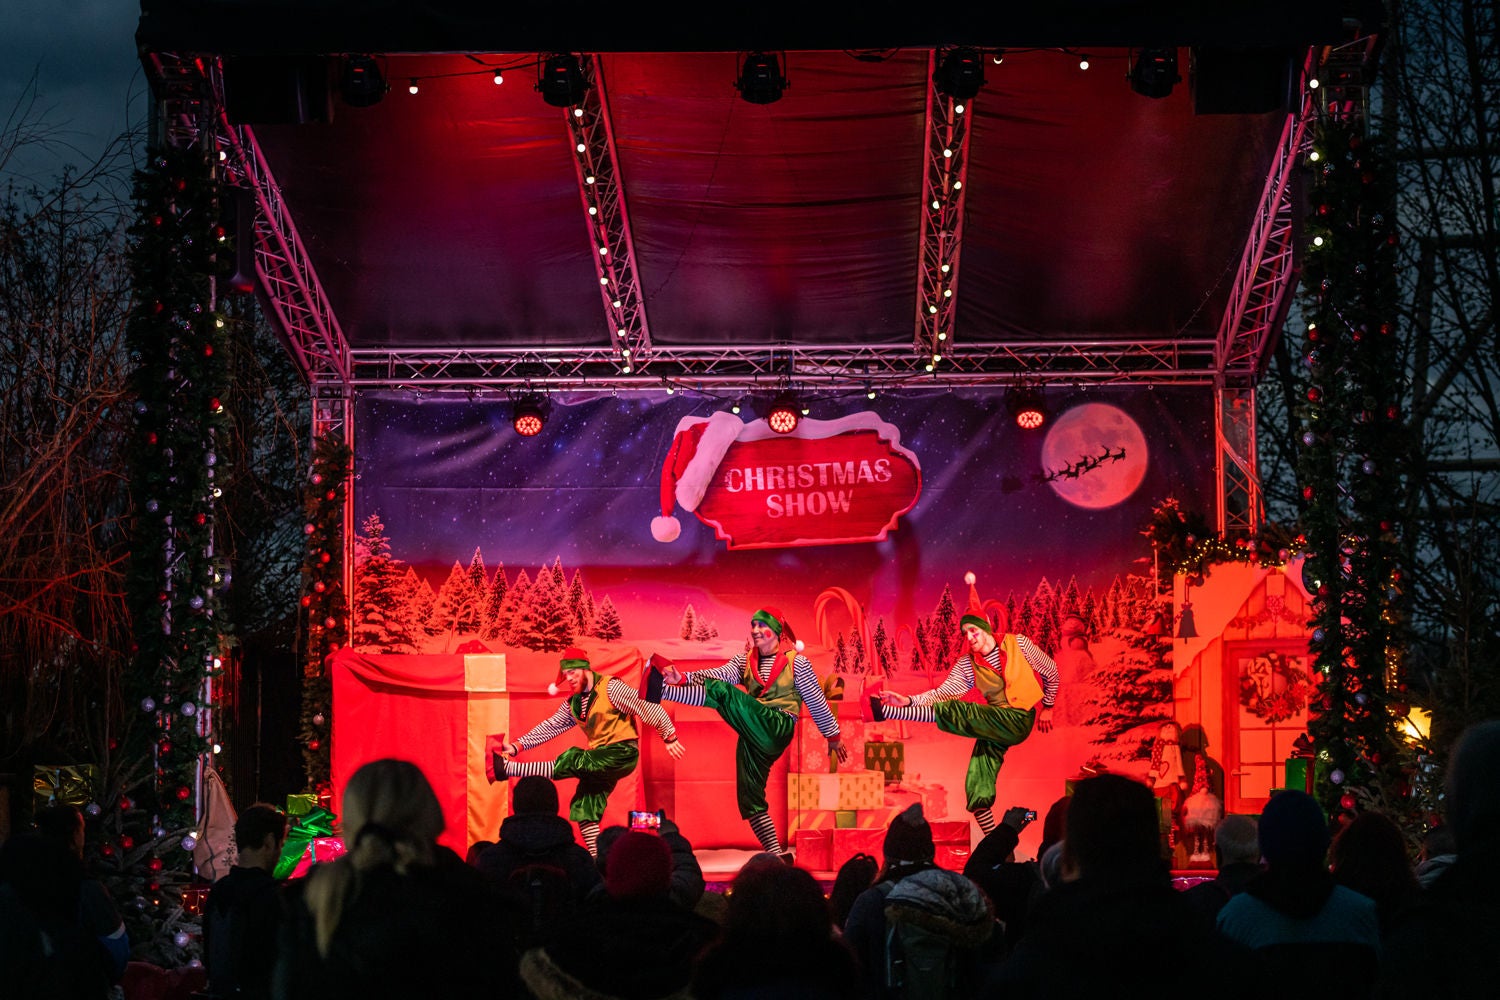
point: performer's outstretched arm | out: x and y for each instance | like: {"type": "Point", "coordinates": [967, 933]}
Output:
{"type": "Point", "coordinates": [959, 680]}
{"type": "Point", "coordinates": [624, 697]}
{"type": "Point", "coordinates": [811, 691]}
{"type": "Point", "coordinates": [555, 725]}
{"type": "Point", "coordinates": [729, 673]}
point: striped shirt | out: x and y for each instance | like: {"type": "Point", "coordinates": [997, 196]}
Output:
{"type": "Point", "coordinates": [809, 688]}
{"type": "Point", "coordinates": [624, 698]}
{"type": "Point", "coordinates": [961, 678]}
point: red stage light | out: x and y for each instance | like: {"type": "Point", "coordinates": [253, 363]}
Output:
{"type": "Point", "coordinates": [783, 417]}
{"type": "Point", "coordinates": [530, 417]}
{"type": "Point", "coordinates": [1027, 407]}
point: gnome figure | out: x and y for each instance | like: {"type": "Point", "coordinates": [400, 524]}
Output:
{"type": "Point", "coordinates": [1200, 815]}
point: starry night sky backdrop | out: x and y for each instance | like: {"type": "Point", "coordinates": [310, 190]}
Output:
{"type": "Point", "coordinates": [447, 475]}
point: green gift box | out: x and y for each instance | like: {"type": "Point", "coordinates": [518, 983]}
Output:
{"type": "Point", "coordinates": [889, 758]}
{"type": "Point", "coordinates": [301, 803]}
{"type": "Point", "coordinates": [1299, 773]}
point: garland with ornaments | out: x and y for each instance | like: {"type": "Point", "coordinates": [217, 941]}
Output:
{"type": "Point", "coordinates": [176, 338]}
{"type": "Point", "coordinates": [325, 608]}
{"type": "Point", "coordinates": [1349, 473]}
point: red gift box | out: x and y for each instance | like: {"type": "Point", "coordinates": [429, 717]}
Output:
{"type": "Point", "coordinates": [951, 856]}
{"type": "Point", "coordinates": [848, 843]}
{"type": "Point", "coordinates": [813, 849]}
{"type": "Point", "coordinates": [951, 838]}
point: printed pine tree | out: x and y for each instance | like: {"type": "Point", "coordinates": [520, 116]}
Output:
{"type": "Point", "coordinates": [688, 624]}
{"type": "Point", "coordinates": [1089, 612]}
{"type": "Point", "coordinates": [475, 596]}
{"type": "Point", "coordinates": [509, 617]}
{"type": "Point", "coordinates": [422, 607]}
{"type": "Point", "coordinates": [840, 655]}
{"type": "Point", "coordinates": [885, 650]}
{"type": "Point", "coordinates": [1045, 622]}
{"type": "Point", "coordinates": [416, 602]}
{"type": "Point", "coordinates": [379, 612]}
{"type": "Point", "coordinates": [920, 656]}
{"type": "Point", "coordinates": [1132, 691]}
{"type": "Point", "coordinates": [453, 597]}
{"type": "Point", "coordinates": [942, 633]}
{"type": "Point", "coordinates": [581, 606]}
{"type": "Point", "coordinates": [704, 631]}
{"type": "Point", "coordinates": [492, 626]}
{"type": "Point", "coordinates": [545, 623]}
{"type": "Point", "coordinates": [559, 578]}
{"type": "Point", "coordinates": [607, 623]}
{"type": "Point", "coordinates": [1072, 603]}
{"type": "Point", "coordinates": [858, 660]}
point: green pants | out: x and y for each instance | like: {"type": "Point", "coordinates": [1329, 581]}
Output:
{"type": "Point", "coordinates": [597, 771]}
{"type": "Point", "coordinates": [994, 730]}
{"type": "Point", "coordinates": [764, 734]}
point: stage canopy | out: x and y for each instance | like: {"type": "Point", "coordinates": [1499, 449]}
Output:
{"type": "Point", "coordinates": [1057, 225]}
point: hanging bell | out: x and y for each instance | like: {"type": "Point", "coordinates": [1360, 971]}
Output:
{"type": "Point", "coordinates": [1185, 629]}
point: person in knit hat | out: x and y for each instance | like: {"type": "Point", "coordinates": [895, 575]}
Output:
{"type": "Point", "coordinates": [760, 698]}
{"type": "Point", "coordinates": [606, 708]}
{"type": "Point", "coordinates": [1019, 684]}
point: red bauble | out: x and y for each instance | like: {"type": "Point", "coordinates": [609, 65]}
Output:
{"type": "Point", "coordinates": [1307, 492]}
{"type": "Point", "coordinates": [330, 622]}
{"type": "Point", "coordinates": [320, 586]}
{"type": "Point", "coordinates": [184, 792]}
{"type": "Point", "coordinates": [333, 494]}
{"type": "Point", "coordinates": [1347, 801]}
{"type": "Point", "coordinates": [164, 747]}
{"type": "Point", "coordinates": [208, 350]}
{"type": "Point", "coordinates": [127, 842]}
{"type": "Point", "coordinates": [150, 437]}
{"type": "Point", "coordinates": [325, 557]}
{"type": "Point", "coordinates": [155, 864]}
{"type": "Point", "coordinates": [313, 745]}
{"type": "Point", "coordinates": [153, 886]}
{"type": "Point", "coordinates": [1392, 412]}
{"type": "Point", "coordinates": [306, 601]}
{"type": "Point", "coordinates": [200, 519]}
{"type": "Point", "coordinates": [108, 850]}
{"type": "Point", "coordinates": [1314, 394]}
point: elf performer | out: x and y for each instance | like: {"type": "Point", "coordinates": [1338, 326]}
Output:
{"type": "Point", "coordinates": [1013, 675]}
{"type": "Point", "coordinates": [760, 703]}
{"type": "Point", "coordinates": [606, 709]}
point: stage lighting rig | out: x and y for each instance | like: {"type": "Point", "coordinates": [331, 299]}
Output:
{"type": "Point", "coordinates": [560, 80]}
{"type": "Point", "coordinates": [784, 413]}
{"type": "Point", "coordinates": [529, 415]}
{"type": "Point", "coordinates": [762, 78]}
{"type": "Point", "coordinates": [960, 74]}
{"type": "Point", "coordinates": [1027, 407]}
{"type": "Point", "coordinates": [1154, 72]}
{"type": "Point", "coordinates": [361, 83]}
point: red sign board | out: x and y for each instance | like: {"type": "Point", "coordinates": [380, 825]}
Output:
{"type": "Point", "coordinates": [828, 483]}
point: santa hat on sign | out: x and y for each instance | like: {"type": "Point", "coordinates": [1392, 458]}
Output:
{"type": "Point", "coordinates": [978, 613]}
{"type": "Point", "coordinates": [697, 449]}
{"type": "Point", "coordinates": [573, 658]}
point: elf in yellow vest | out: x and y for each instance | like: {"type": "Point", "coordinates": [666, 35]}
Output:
{"type": "Point", "coordinates": [606, 708]}
{"type": "Point", "coordinates": [1012, 674]}
{"type": "Point", "coordinates": [760, 698]}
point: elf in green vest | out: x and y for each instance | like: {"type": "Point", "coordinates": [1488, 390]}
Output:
{"type": "Point", "coordinates": [1013, 675]}
{"type": "Point", "coordinates": [760, 699]}
{"type": "Point", "coordinates": [606, 708]}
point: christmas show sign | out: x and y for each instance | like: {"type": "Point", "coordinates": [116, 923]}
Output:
{"type": "Point", "coordinates": [828, 482]}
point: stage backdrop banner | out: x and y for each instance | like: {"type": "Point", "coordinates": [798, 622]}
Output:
{"type": "Point", "coordinates": [859, 526]}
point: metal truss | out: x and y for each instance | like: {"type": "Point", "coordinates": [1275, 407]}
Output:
{"type": "Point", "coordinates": [1238, 510]}
{"type": "Point", "coordinates": [1262, 288]}
{"type": "Point", "coordinates": [836, 368]}
{"type": "Point", "coordinates": [608, 221]}
{"type": "Point", "coordinates": [288, 281]}
{"type": "Point", "coordinates": [183, 99]}
{"type": "Point", "coordinates": [945, 160]}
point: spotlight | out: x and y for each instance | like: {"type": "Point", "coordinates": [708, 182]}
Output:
{"type": "Point", "coordinates": [762, 78]}
{"type": "Point", "coordinates": [360, 81]}
{"type": "Point", "coordinates": [1154, 72]}
{"type": "Point", "coordinates": [560, 80]}
{"type": "Point", "coordinates": [960, 74]}
{"type": "Point", "coordinates": [1027, 407]}
{"type": "Point", "coordinates": [783, 417]}
{"type": "Point", "coordinates": [530, 416]}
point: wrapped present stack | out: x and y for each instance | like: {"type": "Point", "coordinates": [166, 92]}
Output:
{"type": "Point", "coordinates": [63, 784]}
{"type": "Point", "coordinates": [809, 754]}
{"type": "Point", "coordinates": [888, 757]}
{"type": "Point", "coordinates": [310, 836]}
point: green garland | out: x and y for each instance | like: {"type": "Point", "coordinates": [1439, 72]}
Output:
{"type": "Point", "coordinates": [325, 608]}
{"type": "Point", "coordinates": [1349, 472]}
{"type": "Point", "coordinates": [177, 343]}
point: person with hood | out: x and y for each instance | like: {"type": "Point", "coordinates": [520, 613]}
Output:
{"type": "Point", "coordinates": [920, 930]}
{"type": "Point", "coordinates": [631, 942]}
{"type": "Point", "coordinates": [606, 709]}
{"type": "Point", "coordinates": [759, 698]}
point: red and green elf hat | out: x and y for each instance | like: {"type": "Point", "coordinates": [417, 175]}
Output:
{"type": "Point", "coordinates": [773, 619]}
{"type": "Point", "coordinates": [976, 615]}
{"type": "Point", "coordinates": [572, 658]}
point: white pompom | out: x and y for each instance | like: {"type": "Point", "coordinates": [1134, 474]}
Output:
{"type": "Point", "coordinates": [665, 529]}
{"type": "Point", "coordinates": [969, 578]}
{"type": "Point", "coordinates": [552, 689]}
{"type": "Point", "coordinates": [799, 645]}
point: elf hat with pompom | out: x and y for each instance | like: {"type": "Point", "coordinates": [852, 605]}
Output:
{"type": "Point", "coordinates": [975, 615]}
{"type": "Point", "coordinates": [572, 658]}
{"type": "Point", "coordinates": [774, 620]}
{"type": "Point", "coordinates": [698, 446]}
